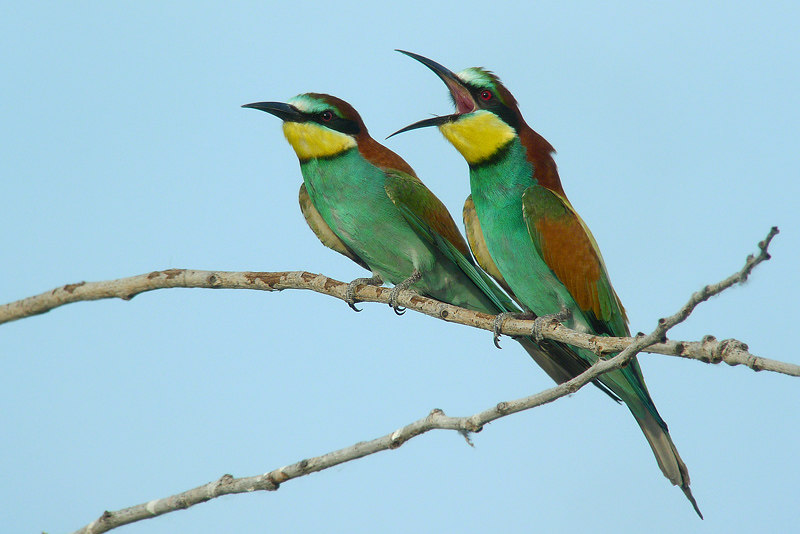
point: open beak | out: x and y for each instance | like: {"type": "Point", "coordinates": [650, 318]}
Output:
{"type": "Point", "coordinates": [462, 98]}
{"type": "Point", "coordinates": [460, 93]}
{"type": "Point", "coordinates": [433, 121]}
{"type": "Point", "coordinates": [285, 112]}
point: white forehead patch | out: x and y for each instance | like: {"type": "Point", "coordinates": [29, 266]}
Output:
{"type": "Point", "coordinates": [308, 104]}
{"type": "Point", "coordinates": [473, 76]}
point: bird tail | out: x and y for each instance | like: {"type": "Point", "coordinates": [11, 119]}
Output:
{"type": "Point", "coordinates": [664, 449]}
{"type": "Point", "coordinates": [562, 363]}
{"type": "Point", "coordinates": [559, 361]}
{"type": "Point", "coordinates": [545, 360]}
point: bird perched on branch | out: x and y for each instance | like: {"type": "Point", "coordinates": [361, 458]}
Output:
{"type": "Point", "coordinates": [364, 201]}
{"type": "Point", "coordinates": [525, 232]}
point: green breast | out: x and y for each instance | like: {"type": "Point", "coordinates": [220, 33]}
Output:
{"type": "Point", "coordinates": [497, 187]}
{"type": "Point", "coordinates": [349, 194]}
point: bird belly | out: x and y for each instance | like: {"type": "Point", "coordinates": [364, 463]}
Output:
{"type": "Point", "coordinates": [356, 208]}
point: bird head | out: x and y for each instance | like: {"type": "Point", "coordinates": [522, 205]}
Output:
{"type": "Point", "coordinates": [321, 126]}
{"type": "Point", "coordinates": [317, 125]}
{"type": "Point", "coordinates": [487, 116]}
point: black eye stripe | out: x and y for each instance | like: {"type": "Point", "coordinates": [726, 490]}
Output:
{"type": "Point", "coordinates": [333, 121]}
{"type": "Point", "coordinates": [494, 104]}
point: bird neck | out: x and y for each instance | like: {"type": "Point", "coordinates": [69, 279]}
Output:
{"type": "Point", "coordinates": [382, 157]}
{"type": "Point", "coordinates": [501, 180]}
{"type": "Point", "coordinates": [540, 154]}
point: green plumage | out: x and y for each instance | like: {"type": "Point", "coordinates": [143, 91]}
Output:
{"type": "Point", "coordinates": [360, 204]}
{"type": "Point", "coordinates": [512, 209]}
{"type": "Point", "coordinates": [508, 202]}
{"type": "Point", "coordinates": [377, 214]}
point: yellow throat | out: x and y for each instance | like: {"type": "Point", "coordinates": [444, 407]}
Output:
{"type": "Point", "coordinates": [310, 140]}
{"type": "Point", "coordinates": [478, 136]}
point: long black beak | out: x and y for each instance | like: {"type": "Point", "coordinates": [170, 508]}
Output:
{"type": "Point", "coordinates": [433, 121]}
{"type": "Point", "coordinates": [285, 112]}
{"type": "Point", "coordinates": [462, 97]}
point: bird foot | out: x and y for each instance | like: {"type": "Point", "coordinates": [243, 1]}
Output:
{"type": "Point", "coordinates": [541, 322]}
{"type": "Point", "coordinates": [350, 294]}
{"type": "Point", "coordinates": [501, 318]}
{"type": "Point", "coordinates": [416, 276]}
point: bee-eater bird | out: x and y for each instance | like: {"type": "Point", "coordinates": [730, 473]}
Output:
{"type": "Point", "coordinates": [364, 201]}
{"type": "Point", "coordinates": [523, 229]}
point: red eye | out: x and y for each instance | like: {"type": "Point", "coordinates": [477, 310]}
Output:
{"type": "Point", "coordinates": [326, 116]}
{"type": "Point", "coordinates": [486, 95]}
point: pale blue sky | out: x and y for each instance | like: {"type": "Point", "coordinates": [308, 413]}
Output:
{"type": "Point", "coordinates": [125, 150]}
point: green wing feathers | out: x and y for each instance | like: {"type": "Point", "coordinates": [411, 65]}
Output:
{"type": "Point", "coordinates": [429, 216]}
{"type": "Point", "coordinates": [411, 196]}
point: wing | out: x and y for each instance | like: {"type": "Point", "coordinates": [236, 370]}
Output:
{"type": "Point", "coordinates": [569, 249]}
{"type": "Point", "coordinates": [558, 360]}
{"type": "Point", "coordinates": [323, 231]}
{"type": "Point", "coordinates": [430, 218]}
{"type": "Point", "coordinates": [414, 199]}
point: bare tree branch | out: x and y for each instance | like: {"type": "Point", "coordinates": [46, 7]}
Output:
{"type": "Point", "coordinates": [708, 350]}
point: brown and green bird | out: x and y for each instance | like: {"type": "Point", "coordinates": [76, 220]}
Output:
{"type": "Point", "coordinates": [524, 231]}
